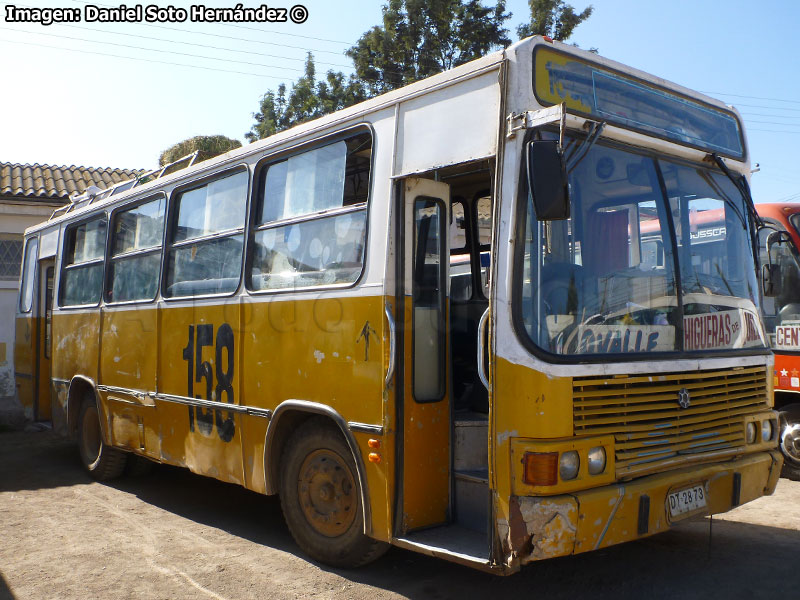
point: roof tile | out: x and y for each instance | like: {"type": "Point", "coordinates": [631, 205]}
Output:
{"type": "Point", "coordinates": [49, 182]}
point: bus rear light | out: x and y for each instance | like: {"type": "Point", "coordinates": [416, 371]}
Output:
{"type": "Point", "coordinates": [374, 457]}
{"type": "Point", "coordinates": [541, 468]}
{"type": "Point", "coordinates": [374, 444]}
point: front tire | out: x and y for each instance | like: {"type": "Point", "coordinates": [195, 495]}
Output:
{"type": "Point", "coordinates": [789, 419]}
{"type": "Point", "coordinates": [102, 462]}
{"type": "Point", "coordinates": [320, 497]}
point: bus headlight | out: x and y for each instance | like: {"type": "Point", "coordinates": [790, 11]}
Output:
{"type": "Point", "coordinates": [750, 432]}
{"type": "Point", "coordinates": [766, 431]}
{"type": "Point", "coordinates": [596, 460]}
{"type": "Point", "coordinates": [568, 465]}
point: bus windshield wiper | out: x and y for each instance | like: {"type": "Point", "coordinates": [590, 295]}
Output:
{"type": "Point", "coordinates": [741, 185]}
{"type": "Point", "coordinates": [581, 151]}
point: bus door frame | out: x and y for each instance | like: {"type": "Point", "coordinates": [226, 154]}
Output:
{"type": "Point", "coordinates": [43, 312]}
{"type": "Point", "coordinates": [423, 446]}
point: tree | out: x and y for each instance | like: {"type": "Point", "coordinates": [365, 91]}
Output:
{"type": "Point", "coordinates": [307, 99]}
{"type": "Point", "coordinates": [209, 146]}
{"type": "Point", "coordinates": [419, 38]}
{"type": "Point", "coordinates": [271, 118]}
{"type": "Point", "coordinates": [553, 18]}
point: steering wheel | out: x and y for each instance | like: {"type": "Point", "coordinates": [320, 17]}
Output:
{"type": "Point", "coordinates": [561, 283]}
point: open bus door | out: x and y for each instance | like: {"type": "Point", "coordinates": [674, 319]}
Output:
{"type": "Point", "coordinates": [424, 349]}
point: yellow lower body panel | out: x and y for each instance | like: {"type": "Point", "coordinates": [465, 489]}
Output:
{"type": "Point", "coordinates": [545, 527]}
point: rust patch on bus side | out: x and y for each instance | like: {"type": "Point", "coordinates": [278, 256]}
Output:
{"type": "Point", "coordinates": [540, 528]}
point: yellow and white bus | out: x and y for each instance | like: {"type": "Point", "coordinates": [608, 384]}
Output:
{"type": "Point", "coordinates": [474, 317]}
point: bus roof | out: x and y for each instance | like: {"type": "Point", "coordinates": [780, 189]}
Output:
{"type": "Point", "coordinates": [355, 114]}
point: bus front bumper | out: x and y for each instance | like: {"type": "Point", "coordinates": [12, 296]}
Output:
{"type": "Point", "coordinates": [545, 527]}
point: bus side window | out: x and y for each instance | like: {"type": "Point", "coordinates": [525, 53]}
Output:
{"type": "Point", "coordinates": [28, 276]}
{"type": "Point", "coordinates": [136, 252]}
{"type": "Point", "coordinates": [312, 218]}
{"type": "Point", "coordinates": [207, 238]}
{"type": "Point", "coordinates": [84, 254]}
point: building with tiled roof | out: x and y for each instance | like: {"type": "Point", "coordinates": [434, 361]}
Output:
{"type": "Point", "coordinates": [56, 184]}
{"type": "Point", "coordinates": [28, 195]}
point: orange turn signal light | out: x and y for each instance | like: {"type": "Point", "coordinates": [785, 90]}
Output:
{"type": "Point", "coordinates": [374, 444]}
{"type": "Point", "coordinates": [374, 457]}
{"type": "Point", "coordinates": [540, 468]}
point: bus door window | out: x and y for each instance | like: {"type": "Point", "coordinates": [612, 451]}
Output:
{"type": "Point", "coordinates": [429, 297]}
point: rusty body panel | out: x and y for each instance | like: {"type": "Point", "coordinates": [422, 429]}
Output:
{"type": "Point", "coordinates": [540, 528]}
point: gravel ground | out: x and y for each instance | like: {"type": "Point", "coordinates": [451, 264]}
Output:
{"type": "Point", "coordinates": [173, 534]}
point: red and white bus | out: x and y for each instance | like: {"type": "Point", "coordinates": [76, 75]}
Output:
{"type": "Point", "coordinates": [779, 241]}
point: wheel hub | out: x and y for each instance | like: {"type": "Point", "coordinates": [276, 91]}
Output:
{"type": "Point", "coordinates": [790, 443]}
{"type": "Point", "coordinates": [327, 493]}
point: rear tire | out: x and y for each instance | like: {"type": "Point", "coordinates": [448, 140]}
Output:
{"type": "Point", "coordinates": [138, 466]}
{"type": "Point", "coordinates": [101, 461]}
{"type": "Point", "coordinates": [320, 497]}
{"type": "Point", "coordinates": [789, 419]}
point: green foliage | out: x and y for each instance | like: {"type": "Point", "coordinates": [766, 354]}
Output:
{"type": "Point", "coordinates": [553, 18]}
{"type": "Point", "coordinates": [208, 146]}
{"type": "Point", "coordinates": [307, 99]}
{"type": "Point", "coordinates": [419, 38]}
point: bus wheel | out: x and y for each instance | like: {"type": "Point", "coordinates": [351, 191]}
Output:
{"type": "Point", "coordinates": [790, 441]}
{"type": "Point", "coordinates": [101, 461]}
{"type": "Point", "coordinates": [138, 466]}
{"type": "Point", "coordinates": [320, 497]}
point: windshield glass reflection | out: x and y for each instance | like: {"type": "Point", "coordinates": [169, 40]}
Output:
{"type": "Point", "coordinates": [605, 280]}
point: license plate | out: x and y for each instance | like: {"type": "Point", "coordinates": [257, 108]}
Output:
{"type": "Point", "coordinates": [686, 500]}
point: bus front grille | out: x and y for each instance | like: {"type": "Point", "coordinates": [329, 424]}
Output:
{"type": "Point", "coordinates": [652, 431]}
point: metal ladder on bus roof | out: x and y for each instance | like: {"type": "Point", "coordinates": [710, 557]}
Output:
{"type": "Point", "coordinates": [94, 193]}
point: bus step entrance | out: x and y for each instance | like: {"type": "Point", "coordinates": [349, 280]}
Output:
{"type": "Point", "coordinates": [471, 471]}
{"type": "Point", "coordinates": [451, 542]}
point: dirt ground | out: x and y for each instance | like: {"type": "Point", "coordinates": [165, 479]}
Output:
{"type": "Point", "coordinates": [172, 534]}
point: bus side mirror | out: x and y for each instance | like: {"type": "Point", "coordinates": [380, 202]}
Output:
{"type": "Point", "coordinates": [771, 282]}
{"type": "Point", "coordinates": [547, 180]}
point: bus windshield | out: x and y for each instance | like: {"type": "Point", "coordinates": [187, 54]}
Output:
{"type": "Point", "coordinates": [657, 256]}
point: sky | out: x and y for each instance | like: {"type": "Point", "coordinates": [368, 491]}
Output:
{"type": "Point", "coordinates": [117, 94]}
